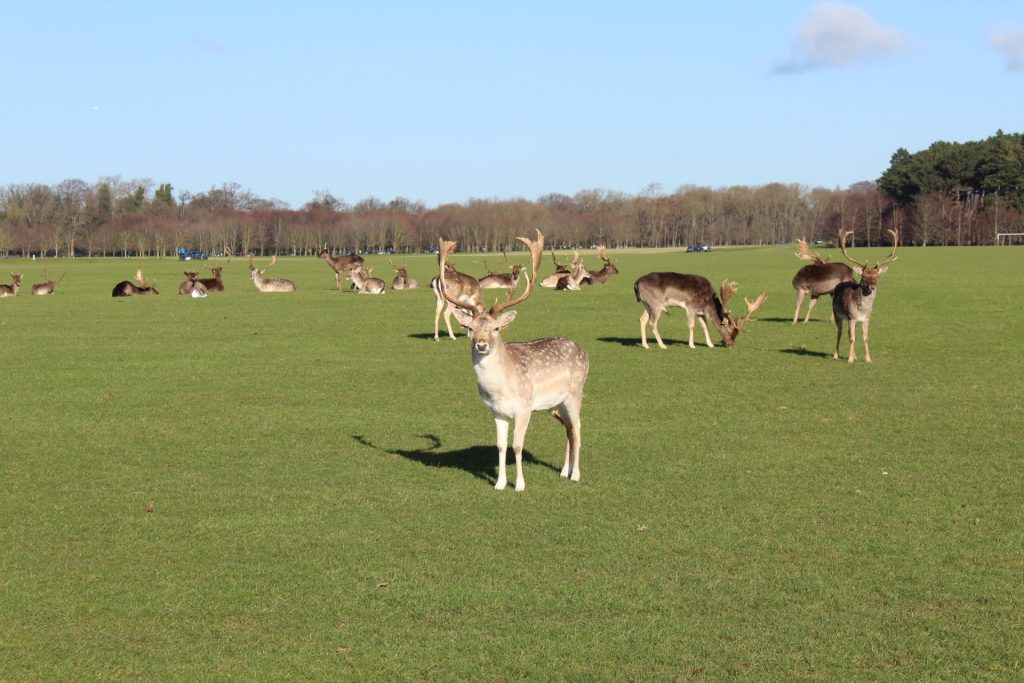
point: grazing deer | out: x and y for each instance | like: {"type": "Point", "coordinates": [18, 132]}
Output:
{"type": "Point", "coordinates": [465, 289]}
{"type": "Point", "coordinates": [402, 279]}
{"type": "Point", "coordinates": [516, 378]}
{"type": "Point", "coordinates": [11, 289]}
{"type": "Point", "coordinates": [820, 277]}
{"type": "Point", "coordinates": [129, 288]}
{"type": "Point", "coordinates": [269, 284]}
{"type": "Point", "coordinates": [215, 283]}
{"type": "Point", "coordinates": [340, 264]}
{"type": "Point", "coordinates": [694, 294]}
{"type": "Point", "coordinates": [192, 286]}
{"type": "Point", "coordinates": [601, 276]}
{"type": "Point", "coordinates": [47, 287]}
{"type": "Point", "coordinates": [365, 284]}
{"type": "Point", "coordinates": [854, 301]}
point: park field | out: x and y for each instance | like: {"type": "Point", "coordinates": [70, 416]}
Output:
{"type": "Point", "coordinates": [300, 486]}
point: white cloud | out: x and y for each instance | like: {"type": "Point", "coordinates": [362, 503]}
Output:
{"type": "Point", "coordinates": [838, 35]}
{"type": "Point", "coordinates": [1011, 46]}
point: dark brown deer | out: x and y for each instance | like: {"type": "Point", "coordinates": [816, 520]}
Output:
{"type": "Point", "coordinates": [215, 283]}
{"type": "Point", "coordinates": [816, 279]}
{"type": "Point", "coordinates": [465, 289]}
{"type": "Point", "coordinates": [601, 276]}
{"type": "Point", "coordinates": [854, 301]}
{"type": "Point", "coordinates": [48, 287]}
{"type": "Point", "coordinates": [340, 264]}
{"type": "Point", "coordinates": [11, 289]}
{"type": "Point", "coordinates": [402, 279]}
{"type": "Point", "coordinates": [694, 294]}
{"type": "Point", "coordinates": [516, 378]}
{"type": "Point", "coordinates": [141, 287]}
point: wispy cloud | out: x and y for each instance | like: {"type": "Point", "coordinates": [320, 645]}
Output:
{"type": "Point", "coordinates": [838, 35]}
{"type": "Point", "coordinates": [1011, 45]}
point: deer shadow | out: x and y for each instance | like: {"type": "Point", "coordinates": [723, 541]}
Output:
{"type": "Point", "coordinates": [480, 461]}
{"type": "Point", "coordinates": [806, 352]}
{"type": "Point", "coordinates": [635, 341]}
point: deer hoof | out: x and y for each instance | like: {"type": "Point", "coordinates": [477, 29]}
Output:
{"type": "Point", "coordinates": [565, 471]}
{"type": "Point", "coordinates": [500, 485]}
{"type": "Point", "coordinates": [520, 485]}
{"type": "Point", "coordinates": [575, 476]}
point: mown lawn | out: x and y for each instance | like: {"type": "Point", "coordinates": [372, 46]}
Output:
{"type": "Point", "coordinates": [299, 486]}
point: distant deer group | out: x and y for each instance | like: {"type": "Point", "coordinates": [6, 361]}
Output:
{"type": "Point", "coordinates": [340, 264]}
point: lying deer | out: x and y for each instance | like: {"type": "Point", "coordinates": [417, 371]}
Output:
{"type": "Point", "coordinates": [269, 284]}
{"type": "Point", "coordinates": [340, 264]}
{"type": "Point", "coordinates": [503, 280]}
{"type": "Point", "coordinates": [365, 284]}
{"type": "Point", "coordinates": [192, 286]}
{"type": "Point", "coordinates": [11, 289]}
{"type": "Point", "coordinates": [402, 279]}
{"type": "Point", "coordinates": [215, 283]}
{"type": "Point", "coordinates": [516, 378]}
{"type": "Point", "coordinates": [820, 277]}
{"type": "Point", "coordinates": [44, 288]}
{"type": "Point", "coordinates": [129, 288]}
{"type": "Point", "coordinates": [569, 280]}
{"type": "Point", "coordinates": [465, 289]}
{"type": "Point", "coordinates": [560, 270]}
{"type": "Point", "coordinates": [601, 276]}
{"type": "Point", "coordinates": [694, 294]}
{"type": "Point", "coordinates": [854, 301]}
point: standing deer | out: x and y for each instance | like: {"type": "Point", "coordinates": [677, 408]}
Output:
{"type": "Point", "coordinates": [854, 301]}
{"type": "Point", "coordinates": [340, 264]}
{"type": "Point", "coordinates": [215, 283]}
{"type": "Point", "coordinates": [365, 284]}
{"type": "Point", "coordinates": [44, 288]}
{"type": "Point", "coordinates": [402, 279]}
{"type": "Point", "coordinates": [820, 277]}
{"type": "Point", "coordinates": [128, 288]}
{"type": "Point", "coordinates": [694, 294]}
{"type": "Point", "coordinates": [465, 289]}
{"type": "Point", "coordinates": [269, 284]}
{"type": "Point", "coordinates": [516, 378]}
{"type": "Point", "coordinates": [601, 276]}
{"type": "Point", "coordinates": [11, 289]}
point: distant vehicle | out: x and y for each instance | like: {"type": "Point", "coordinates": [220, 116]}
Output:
{"type": "Point", "coordinates": [192, 255]}
{"type": "Point", "coordinates": [699, 246]}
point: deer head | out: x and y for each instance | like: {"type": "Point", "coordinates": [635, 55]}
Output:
{"type": "Point", "coordinates": [733, 326]}
{"type": "Point", "coordinates": [869, 274]}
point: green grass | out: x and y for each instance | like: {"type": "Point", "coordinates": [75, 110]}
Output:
{"type": "Point", "coordinates": [319, 474]}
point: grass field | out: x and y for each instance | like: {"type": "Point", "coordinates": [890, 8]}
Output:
{"type": "Point", "coordinates": [299, 487]}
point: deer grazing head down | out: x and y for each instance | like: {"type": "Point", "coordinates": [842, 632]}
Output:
{"type": "Point", "coordinates": [269, 284]}
{"type": "Point", "coordinates": [855, 301]}
{"type": "Point", "coordinates": [11, 289]}
{"type": "Point", "coordinates": [516, 378]}
{"type": "Point", "coordinates": [816, 279]}
{"type": "Point", "coordinates": [694, 294]}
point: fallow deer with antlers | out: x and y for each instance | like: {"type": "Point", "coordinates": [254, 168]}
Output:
{"type": "Point", "coordinates": [340, 264]}
{"type": "Point", "coordinates": [215, 283]}
{"type": "Point", "coordinates": [402, 279]}
{"type": "Point", "coordinates": [854, 301]}
{"type": "Point", "coordinates": [47, 287]}
{"type": "Point", "coordinates": [816, 279]}
{"type": "Point", "coordinates": [269, 284]}
{"type": "Point", "coordinates": [365, 284]}
{"type": "Point", "coordinates": [141, 286]}
{"type": "Point", "coordinates": [502, 280]}
{"type": "Point", "coordinates": [463, 288]}
{"type": "Point", "coordinates": [516, 378]}
{"type": "Point", "coordinates": [601, 276]}
{"type": "Point", "coordinates": [694, 294]}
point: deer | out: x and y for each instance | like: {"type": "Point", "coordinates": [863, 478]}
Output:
{"type": "Point", "coordinates": [44, 288]}
{"type": "Point", "coordinates": [694, 294]}
{"type": "Point", "coordinates": [402, 279]}
{"type": "Point", "coordinates": [461, 287]}
{"type": "Point", "coordinates": [340, 264]}
{"type": "Point", "coordinates": [129, 288]}
{"type": "Point", "coordinates": [502, 280]}
{"type": "Point", "coordinates": [192, 286]}
{"type": "Point", "coordinates": [854, 301]}
{"type": "Point", "coordinates": [820, 277]}
{"type": "Point", "coordinates": [515, 379]}
{"type": "Point", "coordinates": [215, 283]}
{"type": "Point", "coordinates": [11, 289]}
{"type": "Point", "coordinates": [560, 270]}
{"type": "Point", "coordinates": [601, 276]}
{"type": "Point", "coordinates": [365, 284]}
{"type": "Point", "coordinates": [570, 277]}
{"type": "Point", "coordinates": [269, 284]}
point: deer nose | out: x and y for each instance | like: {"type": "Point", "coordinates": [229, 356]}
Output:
{"type": "Point", "coordinates": [482, 346]}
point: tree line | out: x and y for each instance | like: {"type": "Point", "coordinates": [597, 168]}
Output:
{"type": "Point", "coordinates": [948, 194]}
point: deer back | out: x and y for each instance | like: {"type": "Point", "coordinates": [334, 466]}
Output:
{"type": "Point", "coordinates": [822, 278]}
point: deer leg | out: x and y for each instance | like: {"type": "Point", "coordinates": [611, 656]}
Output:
{"type": "Point", "coordinates": [839, 337]}
{"type": "Point", "coordinates": [518, 437]}
{"type": "Point", "coordinates": [654, 328]}
{"type": "Point", "coordinates": [707, 335]}
{"type": "Point", "coordinates": [689, 325]}
{"type": "Point", "coordinates": [448, 320]}
{"type": "Point", "coordinates": [853, 337]}
{"type": "Point", "coordinates": [568, 441]}
{"type": "Point", "coordinates": [810, 307]}
{"type": "Point", "coordinates": [501, 429]}
{"type": "Point", "coordinates": [864, 337]}
{"type": "Point", "coordinates": [337, 279]}
{"type": "Point", "coordinates": [799, 300]}
{"type": "Point", "coordinates": [438, 305]}
{"type": "Point", "coordinates": [570, 417]}
{"type": "Point", "coordinates": [645, 317]}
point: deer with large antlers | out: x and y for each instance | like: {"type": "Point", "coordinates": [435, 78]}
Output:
{"type": "Point", "coordinates": [816, 279]}
{"type": "Point", "coordinates": [601, 276]}
{"type": "Point", "coordinates": [11, 289]}
{"type": "Point", "coordinates": [854, 301]}
{"type": "Point", "coordinates": [128, 288]}
{"type": "Point", "coordinates": [269, 284]}
{"type": "Point", "coordinates": [45, 288]}
{"type": "Point", "coordinates": [402, 279]}
{"type": "Point", "coordinates": [465, 289]}
{"type": "Point", "coordinates": [695, 295]}
{"type": "Point", "coordinates": [340, 264]}
{"type": "Point", "coordinates": [517, 378]}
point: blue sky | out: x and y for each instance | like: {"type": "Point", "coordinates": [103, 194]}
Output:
{"type": "Point", "coordinates": [446, 101]}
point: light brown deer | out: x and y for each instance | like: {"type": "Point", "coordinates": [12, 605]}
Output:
{"type": "Point", "coordinates": [11, 289]}
{"type": "Point", "coordinates": [503, 280]}
{"type": "Point", "coordinates": [462, 288]}
{"type": "Point", "coordinates": [340, 264]}
{"type": "Point", "coordinates": [365, 284]}
{"type": "Point", "coordinates": [402, 279]}
{"type": "Point", "coordinates": [601, 276]}
{"type": "Point", "coordinates": [854, 301]}
{"type": "Point", "coordinates": [569, 280]}
{"type": "Point", "coordinates": [192, 286]}
{"type": "Point", "coordinates": [128, 288]}
{"type": "Point", "coordinates": [694, 294]}
{"type": "Point", "coordinates": [561, 269]}
{"type": "Point", "coordinates": [215, 283]}
{"type": "Point", "coordinates": [48, 287]}
{"type": "Point", "coordinates": [816, 279]}
{"type": "Point", "coordinates": [516, 378]}
{"type": "Point", "coordinates": [269, 284]}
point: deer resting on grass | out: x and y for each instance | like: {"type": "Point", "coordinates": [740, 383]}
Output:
{"type": "Point", "coordinates": [516, 378]}
{"type": "Point", "coordinates": [854, 301]}
{"type": "Point", "coordinates": [269, 284]}
{"type": "Point", "coordinates": [45, 288]}
{"type": "Point", "coordinates": [820, 277]}
{"type": "Point", "coordinates": [402, 279]}
{"type": "Point", "coordinates": [128, 288]}
{"type": "Point", "coordinates": [11, 289]}
{"type": "Point", "coordinates": [365, 284]}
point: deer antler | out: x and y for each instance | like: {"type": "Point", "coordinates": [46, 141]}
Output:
{"type": "Point", "coordinates": [843, 234]}
{"type": "Point", "coordinates": [139, 278]}
{"type": "Point", "coordinates": [273, 261]}
{"type": "Point", "coordinates": [891, 257]}
{"type": "Point", "coordinates": [445, 249]}
{"type": "Point", "coordinates": [751, 307]}
{"type": "Point", "coordinates": [602, 253]}
{"type": "Point", "coordinates": [805, 253]}
{"type": "Point", "coordinates": [726, 291]}
{"type": "Point", "coordinates": [536, 247]}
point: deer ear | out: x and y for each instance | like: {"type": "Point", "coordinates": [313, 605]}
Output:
{"type": "Point", "coordinates": [858, 270]}
{"type": "Point", "coordinates": [465, 319]}
{"type": "Point", "coordinates": [506, 318]}
{"type": "Point", "coordinates": [881, 271]}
